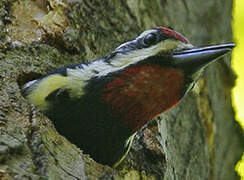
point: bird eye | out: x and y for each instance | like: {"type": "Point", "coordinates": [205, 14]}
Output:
{"type": "Point", "coordinates": [150, 39]}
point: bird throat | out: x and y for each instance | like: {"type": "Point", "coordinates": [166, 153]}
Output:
{"type": "Point", "coordinates": [141, 92]}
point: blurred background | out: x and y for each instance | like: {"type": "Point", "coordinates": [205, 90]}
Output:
{"type": "Point", "coordinates": [238, 65]}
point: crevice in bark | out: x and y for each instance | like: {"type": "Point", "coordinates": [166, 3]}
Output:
{"type": "Point", "coordinates": [36, 146]}
{"type": "Point", "coordinates": [60, 166]}
{"type": "Point", "coordinates": [26, 77]}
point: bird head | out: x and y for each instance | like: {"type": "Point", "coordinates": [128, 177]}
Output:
{"type": "Point", "coordinates": [167, 47]}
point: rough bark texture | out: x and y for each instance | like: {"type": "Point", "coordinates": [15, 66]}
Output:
{"type": "Point", "coordinates": [198, 139]}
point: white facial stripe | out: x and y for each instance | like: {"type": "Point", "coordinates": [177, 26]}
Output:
{"type": "Point", "coordinates": [123, 60]}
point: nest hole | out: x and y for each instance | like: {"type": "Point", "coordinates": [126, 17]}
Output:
{"type": "Point", "coordinates": [24, 78]}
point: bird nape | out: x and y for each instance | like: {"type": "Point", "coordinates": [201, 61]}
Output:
{"type": "Point", "coordinates": [100, 105]}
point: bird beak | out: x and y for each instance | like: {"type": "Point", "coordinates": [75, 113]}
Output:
{"type": "Point", "coordinates": [194, 59]}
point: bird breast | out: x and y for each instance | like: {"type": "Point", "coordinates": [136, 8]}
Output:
{"type": "Point", "coordinates": [141, 92]}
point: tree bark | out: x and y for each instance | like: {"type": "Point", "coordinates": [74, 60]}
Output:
{"type": "Point", "coordinates": [198, 139]}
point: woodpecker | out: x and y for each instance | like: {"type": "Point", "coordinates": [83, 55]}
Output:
{"type": "Point", "coordinates": [100, 105]}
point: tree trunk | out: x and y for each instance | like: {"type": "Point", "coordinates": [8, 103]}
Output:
{"type": "Point", "coordinates": [198, 139]}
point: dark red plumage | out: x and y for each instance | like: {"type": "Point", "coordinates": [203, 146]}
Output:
{"type": "Point", "coordinates": [141, 92]}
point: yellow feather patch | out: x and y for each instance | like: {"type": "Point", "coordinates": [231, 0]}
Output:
{"type": "Point", "coordinates": [44, 88]}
